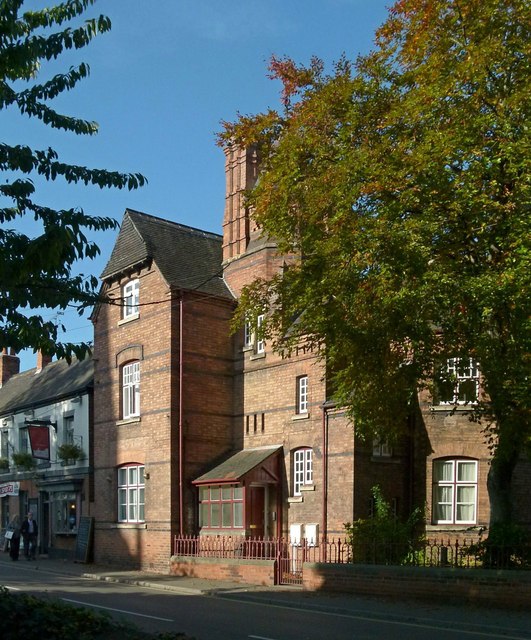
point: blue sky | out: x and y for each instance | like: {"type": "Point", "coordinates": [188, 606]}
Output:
{"type": "Point", "coordinates": [161, 81]}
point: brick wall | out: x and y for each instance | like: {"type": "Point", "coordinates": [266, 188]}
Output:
{"type": "Point", "coordinates": [480, 587]}
{"type": "Point", "coordinates": [154, 439]}
{"type": "Point", "coordinates": [256, 572]}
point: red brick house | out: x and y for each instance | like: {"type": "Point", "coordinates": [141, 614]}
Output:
{"type": "Point", "coordinates": [199, 431]}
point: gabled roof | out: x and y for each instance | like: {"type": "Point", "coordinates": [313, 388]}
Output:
{"type": "Point", "coordinates": [238, 465]}
{"type": "Point", "coordinates": [188, 258]}
{"type": "Point", "coordinates": [56, 381]}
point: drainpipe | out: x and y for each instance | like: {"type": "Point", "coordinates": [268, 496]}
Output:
{"type": "Point", "coordinates": [324, 533]}
{"type": "Point", "coordinates": [181, 528]}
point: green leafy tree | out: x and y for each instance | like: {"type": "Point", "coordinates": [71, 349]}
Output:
{"type": "Point", "coordinates": [400, 186]}
{"type": "Point", "coordinates": [37, 272]}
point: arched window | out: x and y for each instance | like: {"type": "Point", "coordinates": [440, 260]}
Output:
{"type": "Point", "coordinates": [455, 489]}
{"type": "Point", "coordinates": [131, 491]}
{"type": "Point", "coordinates": [302, 469]}
{"type": "Point", "coordinates": [131, 389]}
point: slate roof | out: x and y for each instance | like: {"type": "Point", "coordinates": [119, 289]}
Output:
{"type": "Point", "coordinates": [56, 380]}
{"type": "Point", "coordinates": [188, 258]}
{"type": "Point", "coordinates": [237, 465]}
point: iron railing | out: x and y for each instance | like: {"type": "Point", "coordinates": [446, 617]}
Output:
{"type": "Point", "coordinates": [422, 553]}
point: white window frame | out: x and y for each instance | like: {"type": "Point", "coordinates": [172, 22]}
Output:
{"type": "Point", "coordinates": [131, 389]}
{"type": "Point", "coordinates": [302, 395]}
{"type": "Point", "coordinates": [463, 371]}
{"type": "Point", "coordinates": [247, 335]}
{"type": "Point", "coordinates": [302, 469]}
{"type": "Point", "coordinates": [381, 448]}
{"type": "Point", "coordinates": [131, 493]}
{"type": "Point", "coordinates": [68, 429]}
{"type": "Point", "coordinates": [131, 299]}
{"type": "Point", "coordinates": [260, 343]}
{"type": "Point", "coordinates": [448, 490]}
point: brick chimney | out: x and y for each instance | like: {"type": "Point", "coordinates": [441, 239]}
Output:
{"type": "Point", "coordinates": [241, 173]}
{"type": "Point", "coordinates": [9, 365]}
{"type": "Point", "coordinates": [42, 360]}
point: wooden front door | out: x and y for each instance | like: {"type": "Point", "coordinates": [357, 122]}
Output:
{"type": "Point", "coordinates": [256, 512]}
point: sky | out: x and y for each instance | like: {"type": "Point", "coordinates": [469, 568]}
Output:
{"type": "Point", "coordinates": [161, 82]}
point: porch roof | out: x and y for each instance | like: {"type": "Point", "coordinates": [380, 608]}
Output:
{"type": "Point", "coordinates": [237, 465]}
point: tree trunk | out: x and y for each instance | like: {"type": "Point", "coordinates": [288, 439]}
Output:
{"type": "Point", "coordinates": [500, 476]}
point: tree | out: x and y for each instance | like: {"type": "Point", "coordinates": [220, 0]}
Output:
{"type": "Point", "coordinates": [400, 184]}
{"type": "Point", "coordinates": [37, 272]}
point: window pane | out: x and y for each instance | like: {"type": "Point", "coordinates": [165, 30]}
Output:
{"type": "Point", "coordinates": [238, 493]}
{"type": "Point", "coordinates": [238, 514]}
{"type": "Point", "coordinates": [445, 495]}
{"type": "Point", "coordinates": [467, 391]}
{"type": "Point", "coordinates": [465, 513]}
{"type": "Point", "coordinates": [466, 494]}
{"type": "Point", "coordinates": [443, 512]}
{"type": "Point", "coordinates": [444, 471]}
{"type": "Point", "coordinates": [214, 493]}
{"type": "Point", "coordinates": [226, 493]}
{"type": "Point", "coordinates": [122, 477]}
{"type": "Point", "coordinates": [122, 504]}
{"type": "Point", "coordinates": [226, 514]}
{"type": "Point", "coordinates": [203, 514]}
{"type": "Point", "coordinates": [214, 514]}
{"type": "Point", "coordinates": [132, 475]}
{"type": "Point", "coordinates": [204, 492]}
{"type": "Point", "coordinates": [466, 471]}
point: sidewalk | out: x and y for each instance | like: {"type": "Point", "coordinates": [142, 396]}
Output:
{"type": "Point", "coordinates": [473, 619]}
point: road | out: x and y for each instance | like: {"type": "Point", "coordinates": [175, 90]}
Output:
{"type": "Point", "coordinates": [239, 618]}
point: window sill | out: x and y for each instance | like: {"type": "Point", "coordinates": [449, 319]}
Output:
{"type": "Point", "coordinates": [129, 525]}
{"type": "Point", "coordinates": [257, 356]}
{"type": "Point", "coordinates": [216, 531]}
{"type": "Point", "coordinates": [295, 499]}
{"type": "Point", "coordinates": [308, 487]}
{"type": "Point", "coordinates": [434, 528]}
{"type": "Point", "coordinates": [385, 459]}
{"type": "Point", "coordinates": [129, 319]}
{"type": "Point", "coordinates": [453, 408]}
{"type": "Point", "coordinates": [301, 416]}
{"type": "Point", "coordinates": [128, 421]}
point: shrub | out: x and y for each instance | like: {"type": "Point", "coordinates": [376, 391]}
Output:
{"type": "Point", "coordinates": [507, 546]}
{"type": "Point", "coordinates": [383, 539]}
{"type": "Point", "coordinates": [31, 618]}
{"type": "Point", "coordinates": [23, 460]}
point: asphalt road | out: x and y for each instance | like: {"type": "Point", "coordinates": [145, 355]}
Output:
{"type": "Point", "coordinates": [240, 618]}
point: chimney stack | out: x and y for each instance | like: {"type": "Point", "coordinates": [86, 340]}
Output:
{"type": "Point", "coordinates": [42, 360]}
{"type": "Point", "coordinates": [9, 365]}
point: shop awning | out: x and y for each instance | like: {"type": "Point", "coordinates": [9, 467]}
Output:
{"type": "Point", "coordinates": [239, 465]}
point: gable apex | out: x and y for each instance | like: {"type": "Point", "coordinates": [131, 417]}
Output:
{"type": "Point", "coordinates": [187, 258]}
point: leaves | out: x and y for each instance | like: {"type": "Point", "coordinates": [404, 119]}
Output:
{"type": "Point", "coordinates": [399, 184]}
{"type": "Point", "coordinates": [36, 272]}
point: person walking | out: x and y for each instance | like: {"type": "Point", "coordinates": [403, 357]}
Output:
{"type": "Point", "coordinates": [14, 542]}
{"type": "Point", "coordinates": [29, 532]}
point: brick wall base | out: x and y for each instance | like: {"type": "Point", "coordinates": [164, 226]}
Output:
{"type": "Point", "coordinates": [503, 589]}
{"type": "Point", "coordinates": [257, 572]}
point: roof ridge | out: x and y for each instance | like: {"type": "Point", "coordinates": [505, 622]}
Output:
{"type": "Point", "coordinates": [179, 225]}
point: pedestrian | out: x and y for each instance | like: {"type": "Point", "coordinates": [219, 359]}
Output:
{"type": "Point", "coordinates": [14, 542]}
{"type": "Point", "coordinates": [29, 532]}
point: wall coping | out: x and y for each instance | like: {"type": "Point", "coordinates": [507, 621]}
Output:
{"type": "Point", "coordinates": [502, 575]}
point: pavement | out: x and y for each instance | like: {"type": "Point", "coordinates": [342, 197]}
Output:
{"type": "Point", "coordinates": [489, 621]}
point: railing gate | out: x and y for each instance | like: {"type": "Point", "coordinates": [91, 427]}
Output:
{"type": "Point", "coordinates": [289, 563]}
